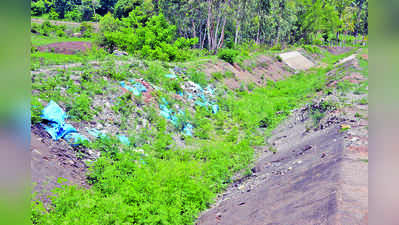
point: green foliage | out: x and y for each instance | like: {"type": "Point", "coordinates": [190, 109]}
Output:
{"type": "Point", "coordinates": [312, 49]}
{"type": "Point", "coordinates": [197, 76]}
{"type": "Point", "coordinates": [74, 15]}
{"type": "Point", "coordinates": [228, 55]}
{"type": "Point", "coordinates": [80, 109]}
{"type": "Point", "coordinates": [276, 47]}
{"type": "Point", "coordinates": [217, 76]}
{"type": "Point", "coordinates": [38, 8]}
{"type": "Point", "coordinates": [36, 110]}
{"type": "Point", "coordinates": [86, 30]}
{"type": "Point", "coordinates": [363, 101]}
{"type": "Point", "coordinates": [53, 14]}
{"type": "Point", "coordinates": [152, 39]}
{"type": "Point", "coordinates": [47, 29]}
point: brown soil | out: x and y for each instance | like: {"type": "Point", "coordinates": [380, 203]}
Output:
{"type": "Point", "coordinates": [52, 160]}
{"type": "Point", "coordinates": [67, 48]}
{"type": "Point", "coordinates": [264, 68]}
{"type": "Point", "coordinates": [318, 174]}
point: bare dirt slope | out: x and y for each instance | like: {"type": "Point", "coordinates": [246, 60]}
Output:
{"type": "Point", "coordinates": [53, 161]}
{"type": "Point", "coordinates": [296, 61]}
{"type": "Point", "coordinates": [318, 175]}
{"type": "Point", "coordinates": [260, 69]}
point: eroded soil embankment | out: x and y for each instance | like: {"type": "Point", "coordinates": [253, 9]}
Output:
{"type": "Point", "coordinates": [318, 175]}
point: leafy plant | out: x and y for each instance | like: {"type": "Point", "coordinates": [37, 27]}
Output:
{"type": "Point", "coordinates": [80, 108]}
{"type": "Point", "coordinates": [228, 55]}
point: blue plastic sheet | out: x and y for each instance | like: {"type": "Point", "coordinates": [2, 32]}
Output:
{"type": "Point", "coordinates": [215, 108]}
{"type": "Point", "coordinates": [95, 133]}
{"type": "Point", "coordinates": [188, 129]}
{"type": "Point", "coordinates": [171, 76]}
{"type": "Point", "coordinates": [53, 113]}
{"type": "Point", "coordinates": [75, 138]}
{"type": "Point", "coordinates": [57, 128]}
{"type": "Point", "coordinates": [124, 140]}
{"type": "Point", "coordinates": [199, 95]}
{"type": "Point", "coordinates": [171, 116]}
{"type": "Point", "coordinates": [137, 88]}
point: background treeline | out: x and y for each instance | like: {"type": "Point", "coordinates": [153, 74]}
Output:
{"type": "Point", "coordinates": [213, 24]}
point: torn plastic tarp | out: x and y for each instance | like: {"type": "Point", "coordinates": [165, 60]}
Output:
{"type": "Point", "coordinates": [200, 96]}
{"type": "Point", "coordinates": [188, 129]}
{"type": "Point", "coordinates": [95, 133]}
{"type": "Point", "coordinates": [170, 115]}
{"type": "Point", "coordinates": [171, 76]}
{"type": "Point", "coordinates": [124, 140]}
{"type": "Point", "coordinates": [57, 128]}
{"type": "Point", "coordinates": [53, 113]}
{"type": "Point", "coordinates": [75, 138]}
{"type": "Point", "coordinates": [137, 88]}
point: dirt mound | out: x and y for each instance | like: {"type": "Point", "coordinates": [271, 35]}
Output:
{"type": "Point", "coordinates": [259, 70]}
{"type": "Point", "coordinates": [67, 48]}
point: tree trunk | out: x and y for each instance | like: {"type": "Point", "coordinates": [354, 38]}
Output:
{"type": "Point", "coordinates": [238, 24]}
{"type": "Point", "coordinates": [222, 35]}
{"type": "Point", "coordinates": [208, 25]}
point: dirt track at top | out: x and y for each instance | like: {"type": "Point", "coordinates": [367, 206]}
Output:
{"type": "Point", "coordinates": [67, 48]}
{"type": "Point", "coordinates": [66, 23]}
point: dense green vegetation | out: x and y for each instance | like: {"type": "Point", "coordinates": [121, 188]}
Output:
{"type": "Point", "coordinates": [165, 176]}
{"type": "Point", "coordinates": [155, 181]}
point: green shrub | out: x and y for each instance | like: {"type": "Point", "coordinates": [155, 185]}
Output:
{"type": "Point", "coordinates": [36, 110]}
{"type": "Point", "coordinates": [152, 38]}
{"type": "Point", "coordinates": [74, 15]}
{"type": "Point", "coordinates": [251, 86]}
{"type": "Point", "coordinates": [197, 76]}
{"type": "Point", "coordinates": [312, 49]}
{"type": "Point", "coordinates": [276, 47]}
{"type": "Point", "coordinates": [228, 55]}
{"type": "Point", "coordinates": [217, 76]}
{"type": "Point", "coordinates": [80, 109]}
{"type": "Point", "coordinates": [53, 14]}
{"type": "Point", "coordinates": [229, 74]}
{"type": "Point", "coordinates": [60, 33]}
{"type": "Point", "coordinates": [86, 30]}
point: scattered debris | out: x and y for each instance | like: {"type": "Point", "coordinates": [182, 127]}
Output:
{"type": "Point", "coordinates": [200, 96]}
{"type": "Point", "coordinates": [170, 115]}
{"type": "Point", "coordinates": [138, 87]}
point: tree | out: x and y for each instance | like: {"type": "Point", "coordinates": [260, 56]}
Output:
{"type": "Point", "coordinates": [38, 8]}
